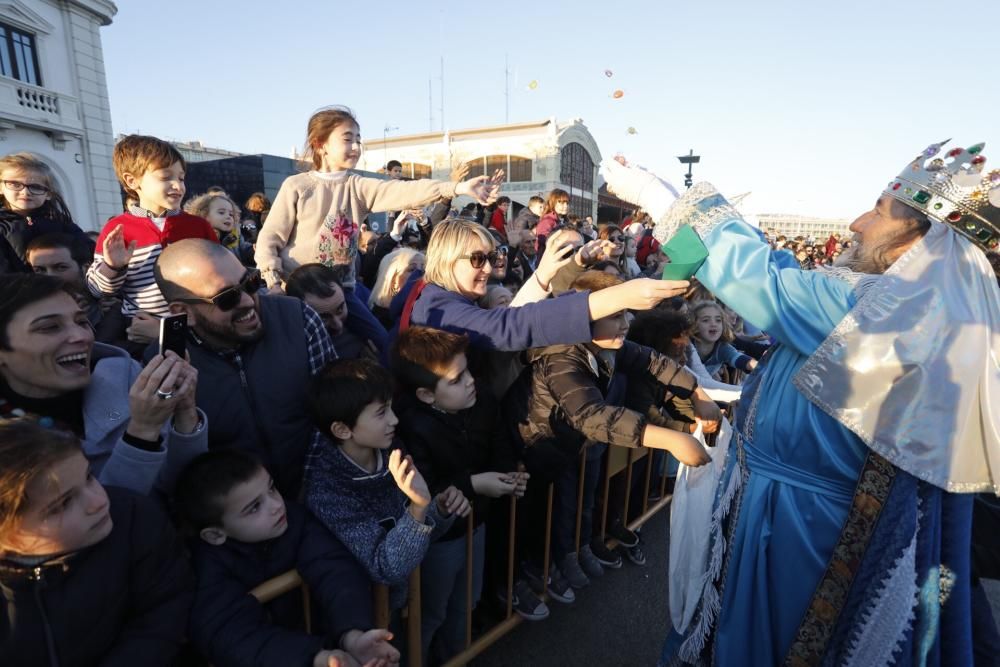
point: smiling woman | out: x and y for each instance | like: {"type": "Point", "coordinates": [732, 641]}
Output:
{"type": "Point", "coordinates": [138, 426]}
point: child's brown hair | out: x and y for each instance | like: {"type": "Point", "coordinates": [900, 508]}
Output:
{"type": "Point", "coordinates": [27, 450]}
{"type": "Point", "coordinates": [727, 331]}
{"type": "Point", "coordinates": [136, 154]}
{"type": "Point", "coordinates": [421, 354]}
{"type": "Point", "coordinates": [321, 124]}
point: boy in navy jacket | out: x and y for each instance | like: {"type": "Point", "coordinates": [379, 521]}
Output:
{"type": "Point", "coordinates": [248, 534]}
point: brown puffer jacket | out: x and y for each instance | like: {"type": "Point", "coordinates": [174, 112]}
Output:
{"type": "Point", "coordinates": [559, 400]}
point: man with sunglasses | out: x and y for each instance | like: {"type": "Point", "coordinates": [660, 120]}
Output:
{"type": "Point", "coordinates": [254, 354]}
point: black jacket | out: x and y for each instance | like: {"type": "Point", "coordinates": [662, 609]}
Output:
{"type": "Point", "coordinates": [122, 602]}
{"type": "Point", "coordinates": [560, 401]}
{"type": "Point", "coordinates": [231, 628]}
{"type": "Point", "coordinates": [448, 449]}
{"type": "Point", "coordinates": [19, 231]}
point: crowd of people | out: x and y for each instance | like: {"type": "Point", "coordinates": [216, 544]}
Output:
{"type": "Point", "coordinates": [345, 400]}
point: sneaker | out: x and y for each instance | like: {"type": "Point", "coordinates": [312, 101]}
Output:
{"type": "Point", "coordinates": [570, 568]}
{"type": "Point", "coordinates": [589, 563]}
{"type": "Point", "coordinates": [560, 589]}
{"type": "Point", "coordinates": [636, 555]}
{"type": "Point", "coordinates": [526, 604]}
{"type": "Point", "coordinates": [609, 558]}
{"type": "Point", "coordinates": [624, 536]}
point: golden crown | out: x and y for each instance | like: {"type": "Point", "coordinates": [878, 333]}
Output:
{"type": "Point", "coordinates": [954, 188]}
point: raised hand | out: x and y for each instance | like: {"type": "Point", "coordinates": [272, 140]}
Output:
{"type": "Point", "coordinates": [116, 254]}
{"type": "Point", "coordinates": [646, 293]}
{"type": "Point", "coordinates": [459, 173]}
{"type": "Point", "coordinates": [592, 251]}
{"type": "Point", "coordinates": [479, 188]}
{"type": "Point", "coordinates": [408, 479]}
{"type": "Point", "coordinates": [553, 259]}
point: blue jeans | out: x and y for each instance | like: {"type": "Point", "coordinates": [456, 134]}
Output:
{"type": "Point", "coordinates": [443, 594]}
{"type": "Point", "coordinates": [564, 503]}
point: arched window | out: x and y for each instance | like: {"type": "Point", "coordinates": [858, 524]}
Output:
{"type": "Point", "coordinates": [577, 171]}
{"type": "Point", "coordinates": [520, 169]}
{"type": "Point", "coordinates": [576, 167]}
{"type": "Point", "coordinates": [416, 170]}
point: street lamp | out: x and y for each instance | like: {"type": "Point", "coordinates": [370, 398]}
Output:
{"type": "Point", "coordinates": [689, 159]}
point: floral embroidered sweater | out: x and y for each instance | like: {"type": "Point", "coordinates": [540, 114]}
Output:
{"type": "Point", "coordinates": [316, 216]}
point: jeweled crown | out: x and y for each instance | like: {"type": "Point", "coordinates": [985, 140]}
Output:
{"type": "Point", "coordinates": [954, 188]}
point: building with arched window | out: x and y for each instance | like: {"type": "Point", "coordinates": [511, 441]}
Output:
{"type": "Point", "coordinates": [537, 157]}
{"type": "Point", "coordinates": [54, 99]}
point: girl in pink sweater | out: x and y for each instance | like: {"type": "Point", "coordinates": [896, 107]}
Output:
{"type": "Point", "coordinates": [317, 215]}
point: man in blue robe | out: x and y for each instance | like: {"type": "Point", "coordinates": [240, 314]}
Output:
{"type": "Point", "coordinates": [863, 433]}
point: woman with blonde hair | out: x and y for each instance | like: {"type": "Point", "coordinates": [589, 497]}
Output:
{"type": "Point", "coordinates": [459, 262]}
{"type": "Point", "coordinates": [393, 272]}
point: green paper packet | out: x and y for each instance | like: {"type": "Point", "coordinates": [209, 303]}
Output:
{"type": "Point", "coordinates": [686, 252]}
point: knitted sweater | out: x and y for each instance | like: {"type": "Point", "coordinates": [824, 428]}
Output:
{"type": "Point", "coordinates": [297, 226]}
{"type": "Point", "coordinates": [367, 512]}
{"type": "Point", "coordinates": [136, 285]}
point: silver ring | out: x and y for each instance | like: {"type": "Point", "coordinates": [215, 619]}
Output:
{"type": "Point", "coordinates": [164, 394]}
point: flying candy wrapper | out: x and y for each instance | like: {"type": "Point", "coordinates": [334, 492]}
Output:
{"type": "Point", "coordinates": [608, 73]}
{"type": "Point", "coordinates": [632, 130]}
{"type": "Point", "coordinates": [532, 85]}
{"type": "Point", "coordinates": [618, 94]}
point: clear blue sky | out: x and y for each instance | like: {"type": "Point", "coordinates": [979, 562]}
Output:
{"type": "Point", "coordinates": [812, 106]}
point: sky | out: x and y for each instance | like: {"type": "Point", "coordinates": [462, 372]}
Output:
{"type": "Point", "coordinates": [810, 106]}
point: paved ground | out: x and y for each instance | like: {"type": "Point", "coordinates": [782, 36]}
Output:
{"type": "Point", "coordinates": [621, 619]}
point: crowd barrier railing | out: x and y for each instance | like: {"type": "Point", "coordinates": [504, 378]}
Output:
{"type": "Point", "coordinates": [617, 461]}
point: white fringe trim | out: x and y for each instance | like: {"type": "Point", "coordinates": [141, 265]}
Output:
{"type": "Point", "coordinates": [711, 601]}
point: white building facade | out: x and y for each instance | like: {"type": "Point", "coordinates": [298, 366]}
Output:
{"type": "Point", "coordinates": [54, 98]}
{"type": "Point", "coordinates": [537, 157]}
{"type": "Point", "coordinates": [818, 229]}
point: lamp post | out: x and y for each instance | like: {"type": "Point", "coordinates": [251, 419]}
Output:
{"type": "Point", "coordinates": [689, 159]}
{"type": "Point", "coordinates": [385, 138]}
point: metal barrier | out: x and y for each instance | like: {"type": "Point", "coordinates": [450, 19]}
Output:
{"type": "Point", "coordinates": [617, 461]}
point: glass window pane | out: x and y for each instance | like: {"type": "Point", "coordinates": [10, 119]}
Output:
{"type": "Point", "coordinates": [5, 65]}
{"type": "Point", "coordinates": [520, 169]}
{"type": "Point", "coordinates": [477, 167]}
{"type": "Point", "coordinates": [494, 162]}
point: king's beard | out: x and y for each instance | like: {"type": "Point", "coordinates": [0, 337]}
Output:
{"type": "Point", "coordinates": [872, 257]}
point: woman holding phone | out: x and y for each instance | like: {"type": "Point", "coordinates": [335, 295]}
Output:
{"type": "Point", "coordinates": [138, 426]}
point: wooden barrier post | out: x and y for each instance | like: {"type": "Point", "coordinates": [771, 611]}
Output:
{"type": "Point", "coordinates": [469, 565]}
{"type": "Point", "coordinates": [382, 613]}
{"type": "Point", "coordinates": [512, 528]}
{"type": "Point", "coordinates": [650, 460]}
{"type": "Point", "coordinates": [415, 647]}
{"type": "Point", "coordinates": [579, 498]}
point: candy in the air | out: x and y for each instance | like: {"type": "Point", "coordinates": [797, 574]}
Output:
{"type": "Point", "coordinates": [632, 130]}
{"type": "Point", "coordinates": [608, 73]}
{"type": "Point", "coordinates": [618, 94]}
{"type": "Point", "coordinates": [533, 85]}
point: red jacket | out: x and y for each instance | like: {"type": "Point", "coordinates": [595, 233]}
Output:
{"type": "Point", "coordinates": [499, 222]}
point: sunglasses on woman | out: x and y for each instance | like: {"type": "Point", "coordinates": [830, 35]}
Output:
{"type": "Point", "coordinates": [479, 258]}
{"type": "Point", "coordinates": [33, 188]}
{"type": "Point", "coordinates": [230, 297]}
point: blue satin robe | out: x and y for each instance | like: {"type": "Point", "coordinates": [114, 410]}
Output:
{"type": "Point", "coordinates": [803, 465]}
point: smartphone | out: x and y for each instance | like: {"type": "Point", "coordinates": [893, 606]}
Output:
{"type": "Point", "coordinates": [173, 334]}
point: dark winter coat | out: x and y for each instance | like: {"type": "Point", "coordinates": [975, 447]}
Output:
{"type": "Point", "coordinates": [560, 402]}
{"type": "Point", "coordinates": [121, 602]}
{"type": "Point", "coordinates": [448, 449]}
{"type": "Point", "coordinates": [231, 627]}
{"type": "Point", "coordinates": [20, 230]}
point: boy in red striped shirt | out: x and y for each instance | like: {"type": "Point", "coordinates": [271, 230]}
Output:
{"type": "Point", "coordinates": [152, 173]}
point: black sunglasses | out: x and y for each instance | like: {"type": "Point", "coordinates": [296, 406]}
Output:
{"type": "Point", "coordinates": [479, 258]}
{"type": "Point", "coordinates": [230, 297]}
